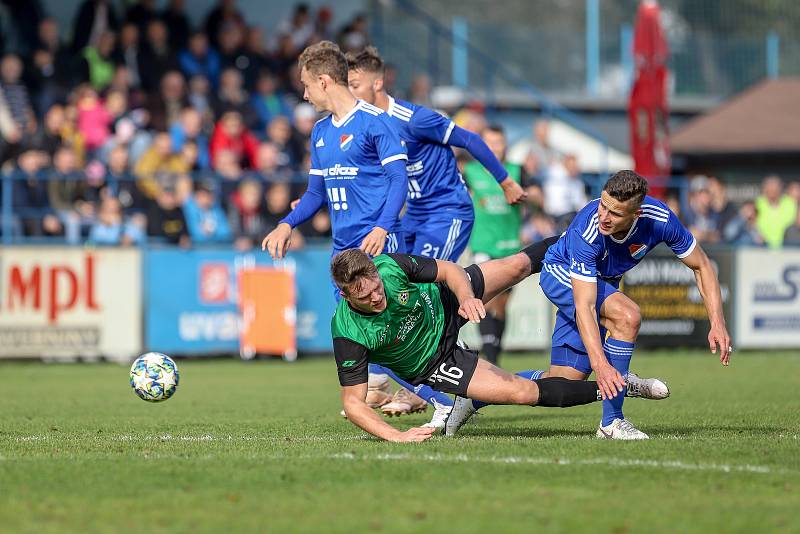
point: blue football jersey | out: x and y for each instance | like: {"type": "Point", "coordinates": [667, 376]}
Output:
{"type": "Point", "coordinates": [349, 154]}
{"type": "Point", "coordinates": [435, 186]}
{"type": "Point", "coordinates": [587, 254]}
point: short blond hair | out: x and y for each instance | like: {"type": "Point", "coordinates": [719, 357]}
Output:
{"type": "Point", "coordinates": [349, 267]}
{"type": "Point", "coordinates": [325, 57]}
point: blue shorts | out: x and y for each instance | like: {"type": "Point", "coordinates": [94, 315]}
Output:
{"type": "Point", "coordinates": [567, 346]}
{"type": "Point", "coordinates": [394, 243]}
{"type": "Point", "coordinates": [443, 238]}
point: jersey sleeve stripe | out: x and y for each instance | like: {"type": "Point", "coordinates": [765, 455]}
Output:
{"type": "Point", "coordinates": [446, 137]}
{"type": "Point", "coordinates": [316, 172]}
{"type": "Point", "coordinates": [592, 225]}
{"type": "Point", "coordinates": [655, 208]}
{"type": "Point", "coordinates": [390, 159]}
{"type": "Point", "coordinates": [402, 118]}
{"type": "Point", "coordinates": [688, 250]}
{"type": "Point", "coordinates": [658, 218]}
{"type": "Point", "coordinates": [583, 278]}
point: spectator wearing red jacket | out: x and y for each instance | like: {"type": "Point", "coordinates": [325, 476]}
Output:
{"type": "Point", "coordinates": [231, 134]}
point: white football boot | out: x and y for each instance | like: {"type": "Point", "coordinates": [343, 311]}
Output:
{"type": "Point", "coordinates": [462, 410]}
{"type": "Point", "coordinates": [620, 429]}
{"type": "Point", "coordinates": [440, 415]}
{"type": "Point", "coordinates": [646, 388]}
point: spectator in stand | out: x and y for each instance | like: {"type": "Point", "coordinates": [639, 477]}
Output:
{"type": "Point", "coordinates": [225, 12]}
{"type": "Point", "coordinates": [742, 229]}
{"type": "Point", "coordinates": [141, 13]}
{"type": "Point", "coordinates": [791, 238]}
{"type": "Point", "coordinates": [174, 16]}
{"type": "Point", "coordinates": [159, 158]}
{"type": "Point", "coordinates": [165, 218]}
{"type": "Point", "coordinates": [190, 128]}
{"type": "Point", "coordinates": [94, 18]}
{"type": "Point", "coordinates": [538, 146]}
{"type": "Point", "coordinates": [200, 59]}
{"type": "Point", "coordinates": [564, 191]}
{"type": "Point", "coordinates": [231, 47]}
{"type": "Point", "coordinates": [537, 226]}
{"type": "Point", "coordinates": [231, 95]}
{"type": "Point", "coordinates": [66, 190]}
{"type": "Point", "coordinates": [97, 66]}
{"type": "Point", "coordinates": [700, 218]}
{"type": "Point", "coordinates": [279, 133]}
{"type": "Point", "coordinates": [49, 73]}
{"type": "Point", "coordinates": [205, 218]}
{"type": "Point", "coordinates": [304, 119]}
{"type": "Point", "coordinates": [724, 208]}
{"type": "Point", "coordinates": [199, 98]}
{"type": "Point", "coordinates": [165, 108]}
{"type": "Point", "coordinates": [268, 101]}
{"type": "Point", "coordinates": [255, 57]}
{"type": "Point", "coordinates": [793, 191]}
{"type": "Point", "coordinates": [674, 204]}
{"type": "Point", "coordinates": [156, 59]}
{"type": "Point", "coordinates": [246, 214]}
{"type": "Point", "coordinates": [10, 134]}
{"type": "Point", "coordinates": [48, 137]}
{"type": "Point", "coordinates": [94, 120]}
{"type": "Point", "coordinates": [420, 91]}
{"type": "Point", "coordinates": [776, 211]}
{"type": "Point", "coordinates": [30, 213]}
{"type": "Point", "coordinates": [267, 165]}
{"type": "Point", "coordinates": [231, 134]}
{"type": "Point", "coordinates": [278, 198]}
{"type": "Point", "coordinates": [298, 27]}
{"type": "Point", "coordinates": [322, 25]}
{"type": "Point", "coordinates": [111, 229]}
{"type": "Point", "coordinates": [284, 61]}
{"type": "Point", "coordinates": [127, 52]}
{"type": "Point", "coordinates": [353, 38]}
{"type": "Point", "coordinates": [16, 96]}
{"type": "Point", "coordinates": [121, 182]}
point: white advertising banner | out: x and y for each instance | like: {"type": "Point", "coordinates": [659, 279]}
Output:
{"type": "Point", "coordinates": [768, 298]}
{"type": "Point", "coordinates": [67, 302]}
{"type": "Point", "coordinates": [529, 319]}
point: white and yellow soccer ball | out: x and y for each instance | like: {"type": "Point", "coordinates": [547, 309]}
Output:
{"type": "Point", "coordinates": [154, 377]}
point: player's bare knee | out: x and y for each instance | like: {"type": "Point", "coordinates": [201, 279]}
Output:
{"type": "Point", "coordinates": [629, 321]}
{"type": "Point", "coordinates": [528, 394]}
{"type": "Point", "coordinates": [520, 265]}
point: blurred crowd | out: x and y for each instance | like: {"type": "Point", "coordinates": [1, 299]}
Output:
{"type": "Point", "coordinates": [145, 128]}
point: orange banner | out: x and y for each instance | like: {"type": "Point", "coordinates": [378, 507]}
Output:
{"type": "Point", "coordinates": [268, 306]}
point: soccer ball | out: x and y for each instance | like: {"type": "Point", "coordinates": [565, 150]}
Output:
{"type": "Point", "coordinates": [154, 377]}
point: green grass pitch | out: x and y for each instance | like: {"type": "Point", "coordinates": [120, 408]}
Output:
{"type": "Point", "coordinates": [260, 447]}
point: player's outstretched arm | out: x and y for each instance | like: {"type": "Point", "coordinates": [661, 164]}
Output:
{"type": "Point", "coordinates": [364, 417]}
{"type": "Point", "coordinates": [609, 381]}
{"type": "Point", "coordinates": [708, 284]}
{"type": "Point", "coordinates": [470, 307]}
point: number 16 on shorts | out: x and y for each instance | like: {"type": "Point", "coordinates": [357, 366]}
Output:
{"type": "Point", "coordinates": [447, 374]}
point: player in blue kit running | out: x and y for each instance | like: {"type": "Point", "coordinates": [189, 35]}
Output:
{"type": "Point", "coordinates": [358, 164]}
{"type": "Point", "coordinates": [596, 325]}
{"type": "Point", "coordinates": [439, 214]}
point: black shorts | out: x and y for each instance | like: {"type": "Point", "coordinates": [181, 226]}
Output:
{"type": "Point", "coordinates": [452, 365]}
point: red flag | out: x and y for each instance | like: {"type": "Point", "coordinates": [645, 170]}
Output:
{"type": "Point", "coordinates": [648, 113]}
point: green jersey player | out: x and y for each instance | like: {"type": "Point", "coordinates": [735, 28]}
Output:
{"type": "Point", "coordinates": [404, 312]}
{"type": "Point", "coordinates": [495, 233]}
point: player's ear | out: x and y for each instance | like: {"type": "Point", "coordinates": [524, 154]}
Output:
{"type": "Point", "coordinates": [377, 85]}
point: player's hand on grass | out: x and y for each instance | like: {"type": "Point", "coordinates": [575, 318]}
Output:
{"type": "Point", "coordinates": [609, 381]}
{"type": "Point", "coordinates": [277, 241]}
{"type": "Point", "coordinates": [718, 336]}
{"type": "Point", "coordinates": [513, 191]}
{"type": "Point", "coordinates": [374, 242]}
{"type": "Point", "coordinates": [472, 310]}
{"type": "Point", "coordinates": [414, 435]}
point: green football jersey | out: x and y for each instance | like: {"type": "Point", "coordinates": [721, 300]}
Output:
{"type": "Point", "coordinates": [405, 335]}
{"type": "Point", "coordinates": [497, 225]}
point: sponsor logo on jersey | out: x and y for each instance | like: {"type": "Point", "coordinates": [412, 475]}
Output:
{"type": "Point", "coordinates": [346, 141]}
{"type": "Point", "coordinates": [402, 297]}
{"type": "Point", "coordinates": [638, 251]}
{"type": "Point", "coordinates": [348, 363]}
{"type": "Point", "coordinates": [414, 169]}
{"type": "Point", "coordinates": [320, 143]}
{"type": "Point", "coordinates": [340, 171]}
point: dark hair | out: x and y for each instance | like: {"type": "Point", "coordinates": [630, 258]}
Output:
{"type": "Point", "coordinates": [350, 266]}
{"type": "Point", "coordinates": [626, 185]}
{"type": "Point", "coordinates": [496, 128]}
{"type": "Point", "coordinates": [368, 60]}
{"type": "Point", "coordinates": [325, 57]}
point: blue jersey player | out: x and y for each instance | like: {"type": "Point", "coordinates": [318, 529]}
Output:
{"type": "Point", "coordinates": [439, 213]}
{"type": "Point", "coordinates": [597, 325]}
{"type": "Point", "coordinates": [358, 164]}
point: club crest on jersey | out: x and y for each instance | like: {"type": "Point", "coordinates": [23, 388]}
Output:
{"type": "Point", "coordinates": [638, 251]}
{"type": "Point", "coordinates": [346, 141]}
{"type": "Point", "coordinates": [402, 297]}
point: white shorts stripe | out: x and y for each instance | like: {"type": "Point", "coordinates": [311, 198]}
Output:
{"type": "Point", "coordinates": [455, 231]}
{"type": "Point", "coordinates": [561, 273]}
{"type": "Point", "coordinates": [549, 269]}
